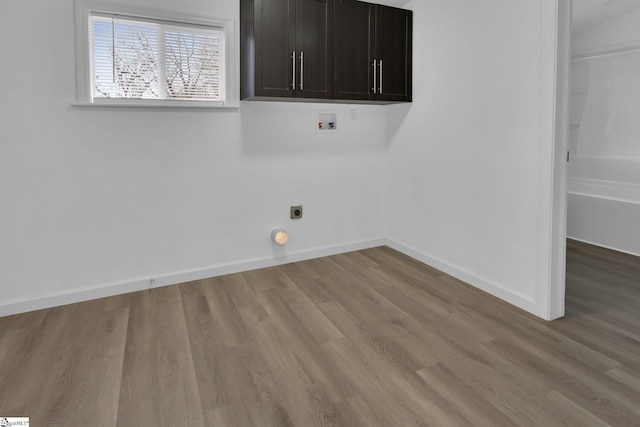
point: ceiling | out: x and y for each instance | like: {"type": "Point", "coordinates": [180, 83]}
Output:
{"type": "Point", "coordinates": [589, 13]}
{"type": "Point", "coordinates": [586, 13]}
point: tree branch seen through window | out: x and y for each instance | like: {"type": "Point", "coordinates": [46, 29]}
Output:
{"type": "Point", "coordinates": [147, 60]}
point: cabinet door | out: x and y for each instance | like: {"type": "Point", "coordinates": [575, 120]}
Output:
{"type": "Point", "coordinates": [274, 46]}
{"type": "Point", "coordinates": [314, 48]}
{"type": "Point", "coordinates": [353, 73]}
{"type": "Point", "coordinates": [393, 34]}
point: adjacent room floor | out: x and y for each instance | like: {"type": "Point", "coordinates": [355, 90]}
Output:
{"type": "Point", "coordinates": [369, 338]}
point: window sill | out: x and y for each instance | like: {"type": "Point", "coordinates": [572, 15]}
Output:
{"type": "Point", "coordinates": [159, 104]}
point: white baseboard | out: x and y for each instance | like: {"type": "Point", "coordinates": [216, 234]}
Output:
{"type": "Point", "coordinates": [71, 296]}
{"type": "Point", "coordinates": [604, 221]}
{"type": "Point", "coordinates": [519, 300]}
{"type": "Point", "coordinates": [142, 283]}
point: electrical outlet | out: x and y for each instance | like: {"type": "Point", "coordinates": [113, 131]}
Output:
{"type": "Point", "coordinates": [296, 212]}
{"type": "Point", "coordinates": [152, 282]}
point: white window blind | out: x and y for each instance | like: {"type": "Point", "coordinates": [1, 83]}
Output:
{"type": "Point", "coordinates": [135, 58]}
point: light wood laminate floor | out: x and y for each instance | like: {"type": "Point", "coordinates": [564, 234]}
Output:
{"type": "Point", "coordinates": [370, 338]}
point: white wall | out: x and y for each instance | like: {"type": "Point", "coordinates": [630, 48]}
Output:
{"type": "Point", "coordinates": [98, 201]}
{"type": "Point", "coordinates": [95, 201]}
{"type": "Point", "coordinates": [604, 174]}
{"type": "Point", "coordinates": [471, 162]}
{"type": "Point", "coordinates": [613, 33]}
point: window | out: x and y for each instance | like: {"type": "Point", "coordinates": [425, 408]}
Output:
{"type": "Point", "coordinates": [129, 57]}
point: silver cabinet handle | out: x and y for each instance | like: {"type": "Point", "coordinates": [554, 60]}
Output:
{"type": "Point", "coordinates": [301, 70]}
{"type": "Point", "coordinates": [293, 62]}
{"type": "Point", "coordinates": [381, 78]}
{"type": "Point", "coordinates": [375, 76]}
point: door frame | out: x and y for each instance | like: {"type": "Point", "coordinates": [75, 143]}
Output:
{"type": "Point", "coordinates": [555, 295]}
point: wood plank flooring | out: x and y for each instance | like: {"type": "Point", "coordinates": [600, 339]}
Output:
{"type": "Point", "coordinates": [369, 338]}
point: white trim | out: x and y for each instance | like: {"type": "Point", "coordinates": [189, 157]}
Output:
{"type": "Point", "coordinates": [597, 196]}
{"type": "Point", "coordinates": [88, 293]}
{"type": "Point", "coordinates": [555, 299]}
{"type": "Point", "coordinates": [597, 52]}
{"type": "Point", "coordinates": [83, 64]}
{"type": "Point", "coordinates": [520, 300]}
{"type": "Point", "coordinates": [83, 55]}
{"type": "Point", "coordinates": [624, 192]}
{"type": "Point", "coordinates": [23, 305]}
{"type": "Point", "coordinates": [548, 115]}
{"type": "Point", "coordinates": [606, 156]}
{"type": "Point", "coordinates": [554, 124]}
{"type": "Point", "coordinates": [115, 103]}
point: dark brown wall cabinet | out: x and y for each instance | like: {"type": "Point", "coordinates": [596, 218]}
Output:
{"type": "Point", "coordinates": [373, 52]}
{"type": "Point", "coordinates": [325, 50]}
{"type": "Point", "coordinates": [287, 48]}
